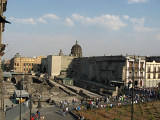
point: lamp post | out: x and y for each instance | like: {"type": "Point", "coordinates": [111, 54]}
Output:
{"type": "Point", "coordinates": [21, 88]}
{"type": "Point", "coordinates": [31, 104]}
{"type": "Point", "coordinates": [133, 85]}
{"type": "Point", "coordinates": [21, 82]}
{"type": "Point", "coordinates": [132, 88]}
{"type": "Point", "coordinates": [20, 100]}
{"type": "Point", "coordinates": [39, 102]}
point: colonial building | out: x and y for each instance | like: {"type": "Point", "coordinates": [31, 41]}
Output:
{"type": "Point", "coordinates": [103, 69]}
{"type": "Point", "coordinates": [135, 70]}
{"type": "Point", "coordinates": [58, 65]}
{"type": "Point", "coordinates": [152, 71]}
{"type": "Point", "coordinates": [25, 64]}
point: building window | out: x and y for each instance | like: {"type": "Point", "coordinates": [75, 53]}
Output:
{"type": "Point", "coordinates": [154, 69]}
{"type": "Point", "coordinates": [136, 65]}
{"type": "Point", "coordinates": [142, 65]}
{"type": "Point", "coordinates": [136, 74]}
{"type": "Point", "coordinates": [158, 76]}
{"type": "Point", "coordinates": [158, 69]}
{"type": "Point", "coordinates": [148, 76]}
{"type": "Point", "coordinates": [24, 64]}
{"type": "Point", "coordinates": [149, 69]}
{"type": "Point", "coordinates": [130, 74]}
{"type": "Point", "coordinates": [15, 64]}
{"type": "Point", "coordinates": [29, 64]}
{"type": "Point", "coordinates": [14, 68]}
{"type": "Point", "coordinates": [154, 76]}
{"type": "Point", "coordinates": [130, 64]}
{"type": "Point", "coordinates": [141, 74]}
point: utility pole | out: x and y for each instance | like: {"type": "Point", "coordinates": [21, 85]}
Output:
{"type": "Point", "coordinates": [20, 100]}
{"type": "Point", "coordinates": [23, 80]}
{"type": "Point", "coordinates": [30, 106]}
{"type": "Point", "coordinates": [133, 70]}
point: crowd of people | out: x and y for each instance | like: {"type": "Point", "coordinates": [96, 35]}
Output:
{"type": "Point", "coordinates": [140, 95]}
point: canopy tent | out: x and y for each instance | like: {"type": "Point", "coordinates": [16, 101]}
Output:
{"type": "Point", "coordinates": [24, 93]}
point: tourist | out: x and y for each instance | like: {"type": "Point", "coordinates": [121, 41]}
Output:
{"type": "Point", "coordinates": [105, 99]}
{"type": "Point", "coordinates": [79, 108]}
{"type": "Point", "coordinates": [89, 104]}
{"type": "Point", "coordinates": [32, 118]}
{"type": "Point", "coordinates": [82, 117]}
{"type": "Point", "coordinates": [38, 112]}
{"type": "Point", "coordinates": [64, 111]}
{"type": "Point", "coordinates": [101, 106]}
{"type": "Point", "coordinates": [111, 105]}
{"type": "Point", "coordinates": [42, 117]}
{"type": "Point", "coordinates": [104, 106]}
{"type": "Point", "coordinates": [82, 107]}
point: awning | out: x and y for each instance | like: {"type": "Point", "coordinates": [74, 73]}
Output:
{"type": "Point", "coordinates": [7, 75]}
{"type": "Point", "coordinates": [116, 82]}
{"type": "Point", "coordinates": [2, 20]}
{"type": "Point", "coordinates": [24, 93]}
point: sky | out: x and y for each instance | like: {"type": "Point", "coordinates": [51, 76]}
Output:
{"type": "Point", "coordinates": [101, 27]}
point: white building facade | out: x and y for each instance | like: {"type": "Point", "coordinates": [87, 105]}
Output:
{"type": "Point", "coordinates": [135, 70]}
{"type": "Point", "coordinates": [152, 74]}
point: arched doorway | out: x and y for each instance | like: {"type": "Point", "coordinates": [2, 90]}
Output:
{"type": "Point", "coordinates": [13, 80]}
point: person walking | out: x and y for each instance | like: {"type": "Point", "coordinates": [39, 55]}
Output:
{"type": "Point", "coordinates": [64, 111]}
{"type": "Point", "coordinates": [38, 114]}
{"type": "Point", "coordinates": [32, 118]}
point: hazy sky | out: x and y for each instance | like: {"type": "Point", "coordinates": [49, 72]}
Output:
{"type": "Point", "coordinates": [111, 27]}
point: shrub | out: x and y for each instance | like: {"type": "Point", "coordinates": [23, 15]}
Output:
{"type": "Point", "coordinates": [151, 117]}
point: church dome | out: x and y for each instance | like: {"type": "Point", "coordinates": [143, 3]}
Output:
{"type": "Point", "coordinates": [76, 50]}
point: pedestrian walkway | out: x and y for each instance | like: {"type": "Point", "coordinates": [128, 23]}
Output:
{"type": "Point", "coordinates": [9, 89]}
{"type": "Point", "coordinates": [49, 113]}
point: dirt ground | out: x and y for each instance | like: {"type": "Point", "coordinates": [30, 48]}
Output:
{"type": "Point", "coordinates": [142, 111]}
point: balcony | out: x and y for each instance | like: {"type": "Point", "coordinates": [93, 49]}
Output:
{"type": "Point", "coordinates": [142, 69]}
{"type": "Point", "coordinates": [136, 77]}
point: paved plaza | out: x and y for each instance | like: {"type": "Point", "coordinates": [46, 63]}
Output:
{"type": "Point", "coordinates": [49, 113]}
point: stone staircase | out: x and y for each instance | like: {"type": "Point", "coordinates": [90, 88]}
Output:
{"type": "Point", "coordinates": [2, 114]}
{"type": "Point", "coordinates": [9, 88]}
